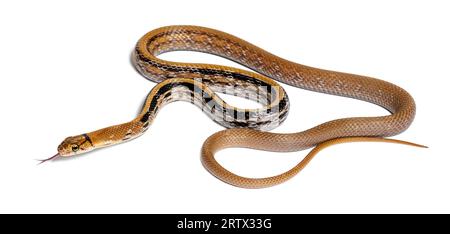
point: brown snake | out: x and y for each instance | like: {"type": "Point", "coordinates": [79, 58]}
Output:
{"type": "Point", "coordinates": [198, 83]}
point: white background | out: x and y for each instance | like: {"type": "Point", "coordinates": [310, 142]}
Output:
{"type": "Point", "coordinates": [65, 70]}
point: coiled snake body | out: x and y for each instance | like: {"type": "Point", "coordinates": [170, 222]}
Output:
{"type": "Point", "coordinates": [198, 83]}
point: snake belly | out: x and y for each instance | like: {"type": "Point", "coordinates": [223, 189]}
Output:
{"type": "Point", "coordinates": [198, 83]}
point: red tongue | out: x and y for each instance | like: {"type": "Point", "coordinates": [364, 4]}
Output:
{"type": "Point", "coordinates": [48, 159]}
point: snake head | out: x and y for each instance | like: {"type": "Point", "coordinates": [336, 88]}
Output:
{"type": "Point", "coordinates": [74, 145]}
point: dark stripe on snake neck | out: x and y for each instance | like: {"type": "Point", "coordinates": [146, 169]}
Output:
{"type": "Point", "coordinates": [87, 138]}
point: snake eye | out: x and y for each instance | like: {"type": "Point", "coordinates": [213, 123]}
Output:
{"type": "Point", "coordinates": [75, 148]}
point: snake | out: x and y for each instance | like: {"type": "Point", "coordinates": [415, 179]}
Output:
{"type": "Point", "coordinates": [200, 84]}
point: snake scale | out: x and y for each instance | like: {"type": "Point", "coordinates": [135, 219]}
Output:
{"type": "Point", "coordinates": [199, 83]}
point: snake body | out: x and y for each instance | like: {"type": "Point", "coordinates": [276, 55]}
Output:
{"type": "Point", "coordinates": [198, 83]}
